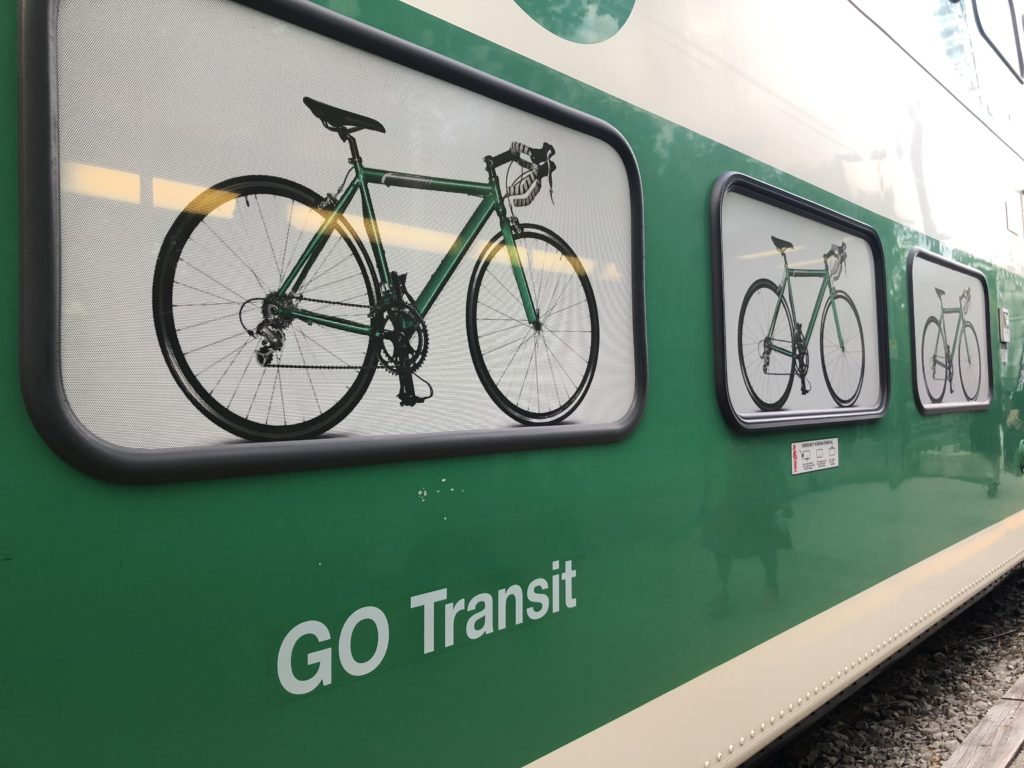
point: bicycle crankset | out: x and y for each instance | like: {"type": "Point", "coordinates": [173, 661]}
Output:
{"type": "Point", "coordinates": [405, 341]}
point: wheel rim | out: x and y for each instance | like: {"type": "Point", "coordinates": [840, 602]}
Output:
{"type": "Point", "coordinates": [843, 363]}
{"type": "Point", "coordinates": [932, 356]}
{"type": "Point", "coordinates": [768, 386]}
{"type": "Point", "coordinates": [969, 362]}
{"type": "Point", "coordinates": [537, 374]}
{"type": "Point", "coordinates": [226, 257]}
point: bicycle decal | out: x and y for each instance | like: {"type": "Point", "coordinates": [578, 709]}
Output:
{"type": "Point", "coordinates": [798, 324]}
{"type": "Point", "coordinates": [774, 345]}
{"type": "Point", "coordinates": [950, 331]}
{"type": "Point", "coordinates": [274, 315]}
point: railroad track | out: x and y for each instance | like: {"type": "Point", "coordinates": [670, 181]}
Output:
{"type": "Point", "coordinates": [919, 710]}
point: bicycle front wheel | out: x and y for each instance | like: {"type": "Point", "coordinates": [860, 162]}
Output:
{"type": "Point", "coordinates": [535, 373]}
{"type": "Point", "coordinates": [842, 349]}
{"type": "Point", "coordinates": [765, 344]}
{"type": "Point", "coordinates": [933, 360]}
{"type": "Point", "coordinates": [217, 309]}
{"type": "Point", "coordinates": [968, 359]}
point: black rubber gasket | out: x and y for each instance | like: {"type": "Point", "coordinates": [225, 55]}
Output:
{"type": "Point", "coordinates": [924, 404]}
{"type": "Point", "coordinates": [39, 307]}
{"type": "Point", "coordinates": [742, 184]}
{"type": "Point", "coordinates": [1016, 69]}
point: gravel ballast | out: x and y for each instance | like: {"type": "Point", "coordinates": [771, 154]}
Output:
{"type": "Point", "coordinates": [916, 712]}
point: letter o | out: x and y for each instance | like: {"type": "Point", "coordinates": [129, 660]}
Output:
{"type": "Point", "coordinates": [348, 662]}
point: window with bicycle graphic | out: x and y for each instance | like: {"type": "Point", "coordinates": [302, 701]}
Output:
{"type": "Point", "coordinates": [799, 318]}
{"type": "Point", "coordinates": [949, 333]}
{"type": "Point", "coordinates": [297, 254]}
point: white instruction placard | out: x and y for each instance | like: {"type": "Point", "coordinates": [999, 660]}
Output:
{"type": "Point", "coordinates": [812, 455]}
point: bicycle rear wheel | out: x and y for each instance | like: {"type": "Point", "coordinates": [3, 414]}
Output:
{"type": "Point", "coordinates": [933, 360]}
{"type": "Point", "coordinates": [767, 371]}
{"type": "Point", "coordinates": [842, 361]}
{"type": "Point", "coordinates": [217, 276]}
{"type": "Point", "coordinates": [968, 359]}
{"type": "Point", "coordinates": [536, 374]}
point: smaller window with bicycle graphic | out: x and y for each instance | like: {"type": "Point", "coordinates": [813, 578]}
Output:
{"type": "Point", "coordinates": [799, 322]}
{"type": "Point", "coordinates": [949, 329]}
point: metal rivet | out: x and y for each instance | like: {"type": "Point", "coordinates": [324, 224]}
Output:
{"type": "Point", "coordinates": [731, 748]}
{"type": "Point", "coordinates": [753, 733]}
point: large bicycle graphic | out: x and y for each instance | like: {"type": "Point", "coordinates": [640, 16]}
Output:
{"type": "Point", "coordinates": [273, 316]}
{"type": "Point", "coordinates": [937, 353]}
{"type": "Point", "coordinates": [774, 348]}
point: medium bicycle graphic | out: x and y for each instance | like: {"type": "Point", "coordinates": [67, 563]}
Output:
{"type": "Point", "coordinates": [937, 352]}
{"type": "Point", "coordinates": [773, 347]}
{"type": "Point", "coordinates": [273, 316]}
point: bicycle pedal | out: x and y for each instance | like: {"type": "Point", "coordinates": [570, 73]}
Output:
{"type": "Point", "coordinates": [410, 400]}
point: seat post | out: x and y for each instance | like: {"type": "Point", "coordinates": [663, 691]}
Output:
{"type": "Point", "coordinates": [353, 147]}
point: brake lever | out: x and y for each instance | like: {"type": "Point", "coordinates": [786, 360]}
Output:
{"type": "Point", "coordinates": [551, 172]}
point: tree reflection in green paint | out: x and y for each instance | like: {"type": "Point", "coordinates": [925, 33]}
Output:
{"type": "Point", "coordinates": [581, 21]}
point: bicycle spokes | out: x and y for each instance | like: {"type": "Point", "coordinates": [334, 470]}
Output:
{"type": "Point", "coordinates": [225, 329]}
{"type": "Point", "coordinates": [766, 345]}
{"type": "Point", "coordinates": [535, 372]}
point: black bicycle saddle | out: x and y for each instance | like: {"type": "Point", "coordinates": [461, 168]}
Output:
{"type": "Point", "coordinates": [780, 243]}
{"type": "Point", "coordinates": [339, 119]}
{"type": "Point", "coordinates": [939, 292]}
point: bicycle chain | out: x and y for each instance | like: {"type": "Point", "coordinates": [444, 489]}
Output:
{"type": "Point", "coordinates": [325, 367]}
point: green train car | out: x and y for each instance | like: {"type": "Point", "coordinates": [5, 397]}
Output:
{"type": "Point", "coordinates": [445, 383]}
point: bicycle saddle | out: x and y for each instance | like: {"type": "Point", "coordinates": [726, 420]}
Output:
{"type": "Point", "coordinates": [939, 292]}
{"type": "Point", "coordinates": [780, 243]}
{"type": "Point", "coordinates": [339, 119]}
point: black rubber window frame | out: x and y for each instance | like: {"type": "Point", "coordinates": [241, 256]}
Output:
{"type": "Point", "coordinates": [39, 302]}
{"type": "Point", "coordinates": [929, 408]}
{"type": "Point", "coordinates": [739, 183]}
{"type": "Point", "coordinates": [1015, 21]}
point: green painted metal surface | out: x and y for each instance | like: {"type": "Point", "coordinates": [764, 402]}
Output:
{"type": "Point", "coordinates": [141, 625]}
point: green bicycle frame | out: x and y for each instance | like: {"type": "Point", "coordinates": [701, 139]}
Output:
{"type": "Point", "coordinates": [948, 349]}
{"type": "Point", "coordinates": [490, 202]}
{"type": "Point", "coordinates": [787, 287]}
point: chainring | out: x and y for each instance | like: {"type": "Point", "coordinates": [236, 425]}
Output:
{"type": "Point", "coordinates": [405, 342]}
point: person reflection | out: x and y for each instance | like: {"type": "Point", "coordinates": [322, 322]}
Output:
{"type": "Point", "coordinates": [745, 515]}
{"type": "Point", "coordinates": [1013, 456]}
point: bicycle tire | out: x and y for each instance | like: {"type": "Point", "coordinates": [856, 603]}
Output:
{"type": "Point", "coordinates": [843, 365]}
{"type": "Point", "coordinates": [932, 340]}
{"type": "Point", "coordinates": [224, 254]}
{"type": "Point", "coordinates": [558, 363]}
{"type": "Point", "coordinates": [969, 342]}
{"type": "Point", "coordinates": [752, 331]}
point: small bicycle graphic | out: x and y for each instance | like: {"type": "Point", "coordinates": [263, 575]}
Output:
{"type": "Point", "coordinates": [937, 353]}
{"type": "Point", "coordinates": [273, 316]}
{"type": "Point", "coordinates": [772, 347]}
